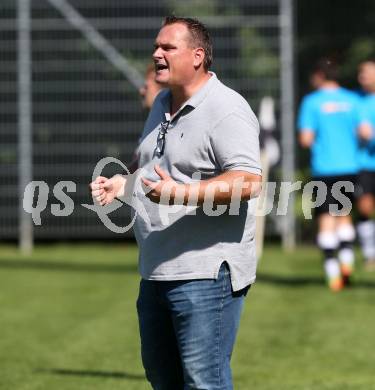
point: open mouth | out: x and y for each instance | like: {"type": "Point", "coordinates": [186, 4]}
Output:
{"type": "Point", "coordinates": [159, 67]}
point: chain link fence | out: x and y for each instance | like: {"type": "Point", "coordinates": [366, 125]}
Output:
{"type": "Point", "coordinates": [86, 62]}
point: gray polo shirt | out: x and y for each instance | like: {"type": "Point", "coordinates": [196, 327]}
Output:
{"type": "Point", "coordinates": [213, 132]}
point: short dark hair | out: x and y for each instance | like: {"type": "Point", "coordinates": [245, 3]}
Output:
{"type": "Point", "coordinates": [200, 37]}
{"type": "Point", "coordinates": [328, 67]}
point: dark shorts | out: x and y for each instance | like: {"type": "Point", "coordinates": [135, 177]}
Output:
{"type": "Point", "coordinates": [366, 183]}
{"type": "Point", "coordinates": [331, 200]}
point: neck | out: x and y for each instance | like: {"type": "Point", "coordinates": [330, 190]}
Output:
{"type": "Point", "coordinates": [330, 84]}
{"type": "Point", "coordinates": [182, 93]}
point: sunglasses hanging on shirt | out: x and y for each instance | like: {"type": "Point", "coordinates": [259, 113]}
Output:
{"type": "Point", "coordinates": [160, 142]}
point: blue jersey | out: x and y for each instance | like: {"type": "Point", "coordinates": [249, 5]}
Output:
{"type": "Point", "coordinates": [367, 148]}
{"type": "Point", "coordinates": [333, 116]}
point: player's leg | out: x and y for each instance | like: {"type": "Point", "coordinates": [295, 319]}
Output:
{"type": "Point", "coordinates": [366, 229]}
{"type": "Point", "coordinates": [341, 207]}
{"type": "Point", "coordinates": [206, 317]}
{"type": "Point", "coordinates": [346, 236]}
{"type": "Point", "coordinates": [159, 350]}
{"type": "Point", "coordinates": [366, 225]}
{"type": "Point", "coordinates": [328, 243]}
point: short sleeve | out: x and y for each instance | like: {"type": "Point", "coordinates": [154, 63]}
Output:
{"type": "Point", "coordinates": [235, 143]}
{"type": "Point", "coordinates": [307, 115]}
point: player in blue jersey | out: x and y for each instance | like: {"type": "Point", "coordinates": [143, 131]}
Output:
{"type": "Point", "coordinates": [366, 201]}
{"type": "Point", "coordinates": [327, 125]}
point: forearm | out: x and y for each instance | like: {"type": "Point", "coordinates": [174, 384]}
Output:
{"type": "Point", "coordinates": [133, 167]}
{"type": "Point", "coordinates": [365, 132]}
{"type": "Point", "coordinates": [223, 189]}
{"type": "Point", "coordinates": [306, 138]}
{"type": "Point", "coordinates": [119, 185]}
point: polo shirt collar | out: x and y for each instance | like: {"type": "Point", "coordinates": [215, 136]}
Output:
{"type": "Point", "coordinates": [194, 100]}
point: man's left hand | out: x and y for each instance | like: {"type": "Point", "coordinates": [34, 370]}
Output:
{"type": "Point", "coordinates": [164, 191]}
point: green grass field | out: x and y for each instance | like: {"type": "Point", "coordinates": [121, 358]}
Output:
{"type": "Point", "coordinates": [68, 322]}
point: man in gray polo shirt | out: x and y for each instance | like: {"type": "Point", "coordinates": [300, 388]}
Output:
{"type": "Point", "coordinates": [199, 168]}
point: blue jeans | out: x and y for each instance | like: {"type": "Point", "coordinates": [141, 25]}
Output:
{"type": "Point", "coordinates": [188, 329]}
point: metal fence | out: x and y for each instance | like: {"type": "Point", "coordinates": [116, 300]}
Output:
{"type": "Point", "coordinates": [85, 61]}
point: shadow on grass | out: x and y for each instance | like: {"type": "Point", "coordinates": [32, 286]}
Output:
{"type": "Point", "coordinates": [290, 281]}
{"type": "Point", "coordinates": [300, 281]}
{"type": "Point", "coordinates": [69, 267]}
{"type": "Point", "coordinates": [91, 373]}
{"type": "Point", "coordinates": [281, 280]}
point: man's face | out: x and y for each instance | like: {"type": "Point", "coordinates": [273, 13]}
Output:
{"type": "Point", "coordinates": [173, 56]}
{"type": "Point", "coordinates": [366, 76]}
{"type": "Point", "coordinates": [149, 90]}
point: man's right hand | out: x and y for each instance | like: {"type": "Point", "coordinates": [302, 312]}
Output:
{"type": "Point", "coordinates": [365, 131]}
{"type": "Point", "coordinates": [104, 190]}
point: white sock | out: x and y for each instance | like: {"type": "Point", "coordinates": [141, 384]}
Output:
{"type": "Point", "coordinates": [332, 268]}
{"type": "Point", "coordinates": [346, 236]}
{"type": "Point", "coordinates": [346, 256]}
{"type": "Point", "coordinates": [327, 240]}
{"type": "Point", "coordinates": [366, 234]}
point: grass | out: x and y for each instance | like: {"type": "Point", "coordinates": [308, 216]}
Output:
{"type": "Point", "coordinates": [68, 321]}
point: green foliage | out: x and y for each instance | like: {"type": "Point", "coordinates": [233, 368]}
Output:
{"type": "Point", "coordinates": [8, 156]}
{"type": "Point", "coordinates": [197, 8]}
{"type": "Point", "coordinates": [359, 50]}
{"type": "Point", "coordinates": [343, 30]}
{"type": "Point", "coordinates": [68, 321]}
{"type": "Point", "coordinates": [192, 8]}
{"type": "Point", "coordinates": [257, 58]}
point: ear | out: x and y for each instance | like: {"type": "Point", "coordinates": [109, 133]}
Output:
{"type": "Point", "coordinates": [198, 57]}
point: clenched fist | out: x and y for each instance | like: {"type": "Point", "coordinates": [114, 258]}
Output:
{"type": "Point", "coordinates": [104, 190]}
